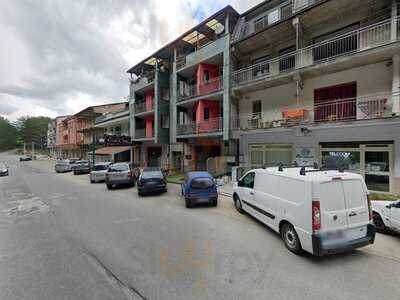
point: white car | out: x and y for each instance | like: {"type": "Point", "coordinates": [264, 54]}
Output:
{"type": "Point", "coordinates": [98, 172]}
{"type": "Point", "coordinates": [386, 215]}
{"type": "Point", "coordinates": [321, 212]}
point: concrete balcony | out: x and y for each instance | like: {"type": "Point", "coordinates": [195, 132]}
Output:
{"type": "Point", "coordinates": [144, 108]}
{"type": "Point", "coordinates": [212, 126]}
{"type": "Point", "coordinates": [144, 83]}
{"type": "Point", "coordinates": [325, 55]}
{"type": "Point", "coordinates": [212, 86]}
{"type": "Point", "coordinates": [143, 135]}
{"type": "Point", "coordinates": [368, 107]}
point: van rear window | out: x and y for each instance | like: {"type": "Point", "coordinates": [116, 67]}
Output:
{"type": "Point", "coordinates": [202, 183]}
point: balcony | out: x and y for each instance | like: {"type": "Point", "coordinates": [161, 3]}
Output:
{"type": "Point", "coordinates": [279, 13]}
{"type": "Point", "coordinates": [210, 126]}
{"type": "Point", "coordinates": [357, 41]}
{"type": "Point", "coordinates": [143, 107]}
{"type": "Point", "coordinates": [329, 111]}
{"type": "Point", "coordinates": [142, 134]}
{"type": "Point", "coordinates": [144, 82]}
{"type": "Point", "coordinates": [211, 86]}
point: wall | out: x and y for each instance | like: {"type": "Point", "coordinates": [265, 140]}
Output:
{"type": "Point", "coordinates": [149, 99]}
{"type": "Point", "coordinates": [204, 88]}
{"type": "Point", "coordinates": [214, 110]}
{"type": "Point", "coordinates": [149, 126]}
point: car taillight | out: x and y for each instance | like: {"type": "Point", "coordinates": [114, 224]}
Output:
{"type": "Point", "coordinates": [316, 216]}
{"type": "Point", "coordinates": [130, 174]}
{"type": "Point", "coordinates": [369, 207]}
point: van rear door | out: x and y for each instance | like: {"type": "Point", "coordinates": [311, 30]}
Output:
{"type": "Point", "coordinates": [333, 206]}
{"type": "Point", "coordinates": [355, 195]}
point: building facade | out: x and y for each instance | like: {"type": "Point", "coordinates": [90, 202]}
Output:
{"type": "Point", "coordinates": [51, 137]}
{"type": "Point", "coordinates": [295, 80]}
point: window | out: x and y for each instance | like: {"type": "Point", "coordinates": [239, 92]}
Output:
{"type": "Point", "coordinates": [270, 154]}
{"type": "Point", "coordinates": [165, 121]}
{"type": "Point", "coordinates": [248, 180]}
{"type": "Point", "coordinates": [206, 76]}
{"type": "Point", "coordinates": [261, 66]}
{"type": "Point", "coordinates": [206, 113]}
{"type": "Point", "coordinates": [257, 109]}
{"type": "Point", "coordinates": [288, 62]}
{"type": "Point", "coordinates": [202, 183]}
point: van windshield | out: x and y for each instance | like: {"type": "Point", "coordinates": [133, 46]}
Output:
{"type": "Point", "coordinates": [202, 183]}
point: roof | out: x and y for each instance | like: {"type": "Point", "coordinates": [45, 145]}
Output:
{"type": "Point", "coordinates": [318, 176]}
{"type": "Point", "coordinates": [198, 174]}
{"type": "Point", "coordinates": [111, 150]}
{"type": "Point", "coordinates": [168, 47]}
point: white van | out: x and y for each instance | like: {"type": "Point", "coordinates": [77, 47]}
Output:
{"type": "Point", "coordinates": [321, 212]}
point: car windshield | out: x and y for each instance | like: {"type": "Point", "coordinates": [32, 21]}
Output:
{"type": "Point", "coordinates": [118, 168]}
{"type": "Point", "coordinates": [100, 167]}
{"type": "Point", "coordinates": [202, 183]}
{"type": "Point", "coordinates": [152, 174]}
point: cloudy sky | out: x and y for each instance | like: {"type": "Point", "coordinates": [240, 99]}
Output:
{"type": "Point", "coordinates": [58, 57]}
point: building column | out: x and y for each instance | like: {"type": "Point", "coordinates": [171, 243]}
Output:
{"type": "Point", "coordinates": [156, 100]}
{"type": "Point", "coordinates": [393, 27]}
{"type": "Point", "coordinates": [172, 108]}
{"type": "Point", "coordinates": [226, 83]}
{"type": "Point", "coordinates": [132, 110]}
{"type": "Point", "coordinates": [396, 84]}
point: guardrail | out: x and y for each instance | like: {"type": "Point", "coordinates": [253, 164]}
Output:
{"type": "Point", "coordinates": [358, 108]}
{"type": "Point", "coordinates": [141, 107]}
{"type": "Point", "coordinates": [187, 91]}
{"type": "Point", "coordinates": [141, 134]}
{"type": "Point", "coordinates": [211, 125]}
{"type": "Point", "coordinates": [352, 42]}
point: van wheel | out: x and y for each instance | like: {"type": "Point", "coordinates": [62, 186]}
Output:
{"type": "Point", "coordinates": [188, 203]}
{"type": "Point", "coordinates": [109, 186]}
{"type": "Point", "coordinates": [290, 238]}
{"type": "Point", "coordinates": [378, 222]}
{"type": "Point", "coordinates": [215, 203]}
{"type": "Point", "coordinates": [238, 204]}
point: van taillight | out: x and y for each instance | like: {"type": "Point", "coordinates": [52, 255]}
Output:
{"type": "Point", "coordinates": [369, 207]}
{"type": "Point", "coordinates": [316, 216]}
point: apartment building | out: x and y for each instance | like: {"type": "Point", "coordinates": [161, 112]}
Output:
{"type": "Point", "coordinates": [180, 98]}
{"type": "Point", "coordinates": [75, 133]}
{"type": "Point", "coordinates": [316, 80]}
{"type": "Point", "coordinates": [112, 132]}
{"type": "Point", "coordinates": [51, 137]}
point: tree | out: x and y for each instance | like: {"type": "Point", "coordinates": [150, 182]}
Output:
{"type": "Point", "coordinates": [8, 135]}
{"type": "Point", "coordinates": [33, 129]}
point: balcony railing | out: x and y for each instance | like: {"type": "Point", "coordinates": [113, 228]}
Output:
{"type": "Point", "coordinates": [327, 111]}
{"type": "Point", "coordinates": [274, 15]}
{"type": "Point", "coordinates": [142, 107]}
{"type": "Point", "coordinates": [187, 91]}
{"type": "Point", "coordinates": [207, 126]}
{"type": "Point", "coordinates": [353, 42]}
{"type": "Point", "coordinates": [141, 134]}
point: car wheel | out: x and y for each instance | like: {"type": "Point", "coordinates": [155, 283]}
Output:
{"type": "Point", "coordinates": [188, 203]}
{"type": "Point", "coordinates": [238, 204]}
{"type": "Point", "coordinates": [92, 181]}
{"type": "Point", "coordinates": [290, 238]}
{"type": "Point", "coordinates": [109, 186]}
{"type": "Point", "coordinates": [378, 222]}
{"type": "Point", "coordinates": [215, 203]}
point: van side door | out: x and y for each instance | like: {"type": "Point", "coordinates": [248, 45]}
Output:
{"type": "Point", "coordinates": [395, 216]}
{"type": "Point", "coordinates": [247, 189]}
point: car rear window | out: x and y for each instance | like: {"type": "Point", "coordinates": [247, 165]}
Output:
{"type": "Point", "coordinates": [118, 168]}
{"type": "Point", "coordinates": [202, 183]}
{"type": "Point", "coordinates": [100, 168]}
{"type": "Point", "coordinates": [151, 174]}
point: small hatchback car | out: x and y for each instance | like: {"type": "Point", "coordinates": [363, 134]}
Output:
{"type": "Point", "coordinates": [98, 172]}
{"type": "Point", "coordinates": [152, 180]}
{"type": "Point", "coordinates": [199, 187]}
{"type": "Point", "coordinates": [119, 174]}
{"type": "Point", "coordinates": [81, 167]}
{"type": "Point", "coordinates": [3, 169]}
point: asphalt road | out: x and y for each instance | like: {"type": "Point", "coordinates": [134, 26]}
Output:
{"type": "Point", "coordinates": [64, 238]}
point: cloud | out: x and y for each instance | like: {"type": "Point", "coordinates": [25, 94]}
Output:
{"type": "Point", "coordinates": [59, 55]}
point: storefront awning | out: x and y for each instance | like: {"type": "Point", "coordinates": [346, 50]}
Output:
{"type": "Point", "coordinates": [112, 150]}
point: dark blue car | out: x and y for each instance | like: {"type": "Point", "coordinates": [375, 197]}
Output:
{"type": "Point", "coordinates": [199, 187]}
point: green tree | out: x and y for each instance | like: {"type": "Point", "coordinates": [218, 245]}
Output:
{"type": "Point", "coordinates": [33, 129]}
{"type": "Point", "coordinates": [8, 135]}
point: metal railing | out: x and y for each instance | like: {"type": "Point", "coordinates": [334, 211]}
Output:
{"type": "Point", "coordinates": [359, 108]}
{"type": "Point", "coordinates": [141, 107]}
{"type": "Point", "coordinates": [141, 134]}
{"type": "Point", "coordinates": [274, 15]}
{"type": "Point", "coordinates": [352, 42]}
{"type": "Point", "coordinates": [187, 91]}
{"type": "Point", "coordinates": [211, 125]}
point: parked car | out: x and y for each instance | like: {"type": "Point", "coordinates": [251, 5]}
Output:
{"type": "Point", "coordinates": [98, 172]}
{"type": "Point", "coordinates": [199, 187]}
{"type": "Point", "coordinates": [3, 169]}
{"type": "Point", "coordinates": [25, 158]}
{"type": "Point", "coordinates": [63, 166]}
{"type": "Point", "coordinates": [81, 167]}
{"type": "Point", "coordinates": [386, 215]}
{"type": "Point", "coordinates": [321, 212]}
{"type": "Point", "coordinates": [152, 180]}
{"type": "Point", "coordinates": [119, 174]}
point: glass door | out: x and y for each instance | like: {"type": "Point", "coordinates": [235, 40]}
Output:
{"type": "Point", "coordinates": [378, 167]}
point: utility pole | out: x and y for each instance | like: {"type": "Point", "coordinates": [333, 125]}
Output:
{"type": "Point", "coordinates": [93, 147]}
{"type": "Point", "coordinates": [24, 148]}
{"type": "Point", "coordinates": [33, 150]}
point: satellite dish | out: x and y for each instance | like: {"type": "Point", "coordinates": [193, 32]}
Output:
{"type": "Point", "coordinates": [219, 29]}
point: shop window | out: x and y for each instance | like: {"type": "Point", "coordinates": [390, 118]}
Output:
{"type": "Point", "coordinates": [348, 160]}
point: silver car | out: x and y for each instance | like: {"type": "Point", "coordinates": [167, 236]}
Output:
{"type": "Point", "coordinates": [3, 169]}
{"type": "Point", "coordinates": [98, 172]}
{"type": "Point", "coordinates": [119, 174]}
{"type": "Point", "coordinates": [63, 166]}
